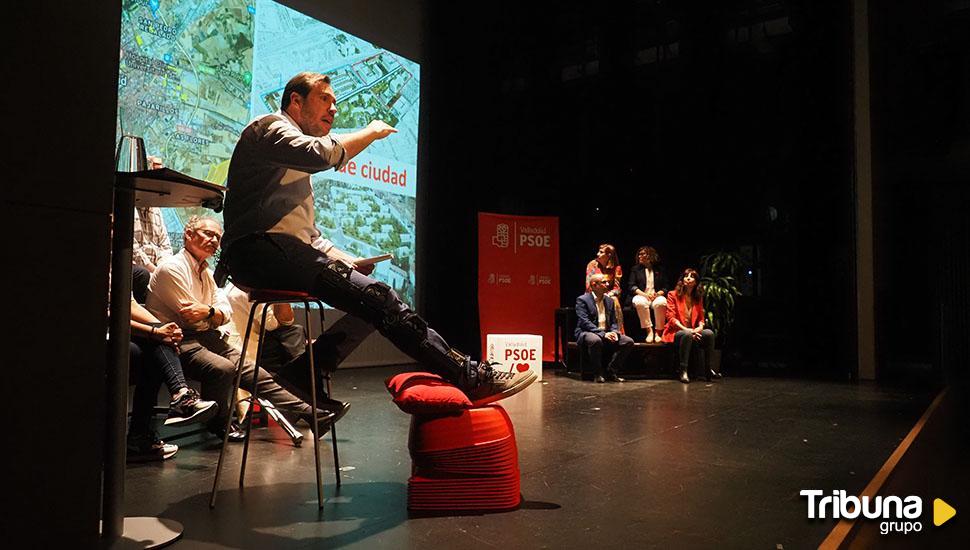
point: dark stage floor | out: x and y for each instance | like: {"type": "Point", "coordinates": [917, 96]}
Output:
{"type": "Point", "coordinates": [649, 463]}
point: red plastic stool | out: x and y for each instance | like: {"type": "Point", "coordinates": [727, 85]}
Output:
{"type": "Point", "coordinates": [463, 462]}
{"type": "Point", "coordinates": [266, 298]}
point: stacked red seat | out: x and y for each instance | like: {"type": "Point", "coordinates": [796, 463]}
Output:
{"type": "Point", "coordinates": [464, 462]}
{"type": "Point", "coordinates": [463, 458]}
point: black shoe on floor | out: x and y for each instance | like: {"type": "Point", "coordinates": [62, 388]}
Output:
{"type": "Point", "coordinates": [324, 421]}
{"type": "Point", "coordinates": [237, 434]}
{"type": "Point", "coordinates": [331, 411]}
{"type": "Point", "coordinates": [147, 447]}
{"type": "Point", "coordinates": [613, 377]}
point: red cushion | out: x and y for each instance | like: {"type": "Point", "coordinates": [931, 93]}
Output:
{"type": "Point", "coordinates": [426, 393]}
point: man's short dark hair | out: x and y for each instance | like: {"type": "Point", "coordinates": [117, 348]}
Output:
{"type": "Point", "coordinates": [301, 84]}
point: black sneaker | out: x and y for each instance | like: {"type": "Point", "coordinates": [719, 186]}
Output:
{"type": "Point", "coordinates": [494, 383]}
{"type": "Point", "coordinates": [331, 411]}
{"type": "Point", "coordinates": [147, 447]}
{"type": "Point", "coordinates": [189, 409]}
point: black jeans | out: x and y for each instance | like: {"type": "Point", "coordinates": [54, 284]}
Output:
{"type": "Point", "coordinates": [282, 262]}
{"type": "Point", "coordinates": [685, 342]}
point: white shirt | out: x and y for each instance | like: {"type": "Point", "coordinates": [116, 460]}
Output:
{"type": "Point", "coordinates": [649, 285]}
{"type": "Point", "coordinates": [601, 311]}
{"type": "Point", "coordinates": [180, 278]}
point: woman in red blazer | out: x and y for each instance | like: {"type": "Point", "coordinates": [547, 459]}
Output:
{"type": "Point", "coordinates": [685, 324]}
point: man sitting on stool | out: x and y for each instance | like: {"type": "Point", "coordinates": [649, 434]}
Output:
{"type": "Point", "coordinates": [596, 329]}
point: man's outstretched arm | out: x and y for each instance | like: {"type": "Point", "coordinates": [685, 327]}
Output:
{"type": "Point", "coordinates": [355, 142]}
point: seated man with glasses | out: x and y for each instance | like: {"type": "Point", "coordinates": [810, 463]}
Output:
{"type": "Point", "coordinates": [597, 331]}
{"type": "Point", "coordinates": [183, 291]}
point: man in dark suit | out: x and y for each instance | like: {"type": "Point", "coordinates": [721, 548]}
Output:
{"type": "Point", "coordinates": [597, 330]}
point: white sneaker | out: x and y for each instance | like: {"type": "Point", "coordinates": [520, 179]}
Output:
{"type": "Point", "coordinates": [495, 383]}
{"type": "Point", "coordinates": [651, 335]}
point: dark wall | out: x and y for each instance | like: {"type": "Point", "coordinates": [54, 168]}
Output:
{"type": "Point", "coordinates": [921, 129]}
{"type": "Point", "coordinates": [686, 152]}
{"type": "Point", "coordinates": [61, 83]}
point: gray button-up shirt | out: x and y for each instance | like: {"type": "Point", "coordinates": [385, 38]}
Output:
{"type": "Point", "coordinates": [268, 187]}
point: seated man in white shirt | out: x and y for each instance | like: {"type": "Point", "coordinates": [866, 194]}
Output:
{"type": "Point", "coordinates": [182, 290]}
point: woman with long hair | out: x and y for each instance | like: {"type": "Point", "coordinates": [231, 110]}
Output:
{"type": "Point", "coordinates": [685, 324]}
{"type": "Point", "coordinates": [645, 292]}
{"type": "Point", "coordinates": [607, 263]}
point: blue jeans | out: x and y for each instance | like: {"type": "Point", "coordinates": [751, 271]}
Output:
{"type": "Point", "coordinates": [282, 262]}
{"type": "Point", "coordinates": [152, 363]}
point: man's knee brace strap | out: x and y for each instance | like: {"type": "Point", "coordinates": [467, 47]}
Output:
{"type": "Point", "coordinates": [407, 324]}
{"type": "Point", "coordinates": [377, 296]}
{"type": "Point", "coordinates": [337, 275]}
{"type": "Point", "coordinates": [458, 358]}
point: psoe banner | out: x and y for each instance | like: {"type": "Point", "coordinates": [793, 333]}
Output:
{"type": "Point", "coordinates": [518, 276]}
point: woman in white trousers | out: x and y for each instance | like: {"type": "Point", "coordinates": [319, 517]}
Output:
{"type": "Point", "coordinates": [647, 289]}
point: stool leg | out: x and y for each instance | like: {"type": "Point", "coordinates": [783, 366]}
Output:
{"type": "Point", "coordinates": [235, 389]}
{"type": "Point", "coordinates": [333, 427]}
{"type": "Point", "coordinates": [313, 403]}
{"type": "Point", "coordinates": [254, 395]}
{"type": "Point", "coordinates": [333, 440]}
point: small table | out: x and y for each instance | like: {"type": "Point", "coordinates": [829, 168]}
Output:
{"type": "Point", "coordinates": [161, 187]}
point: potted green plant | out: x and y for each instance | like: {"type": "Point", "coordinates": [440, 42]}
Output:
{"type": "Point", "coordinates": [719, 276]}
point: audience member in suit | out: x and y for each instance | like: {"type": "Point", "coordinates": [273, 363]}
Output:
{"type": "Point", "coordinates": [597, 331]}
{"type": "Point", "coordinates": [685, 324]}
{"type": "Point", "coordinates": [607, 263]}
{"type": "Point", "coordinates": [645, 292]}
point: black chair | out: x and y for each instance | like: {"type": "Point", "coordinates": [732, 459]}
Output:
{"type": "Point", "coordinates": [266, 298]}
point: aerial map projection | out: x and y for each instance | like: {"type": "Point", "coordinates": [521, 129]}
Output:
{"type": "Point", "coordinates": [194, 73]}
